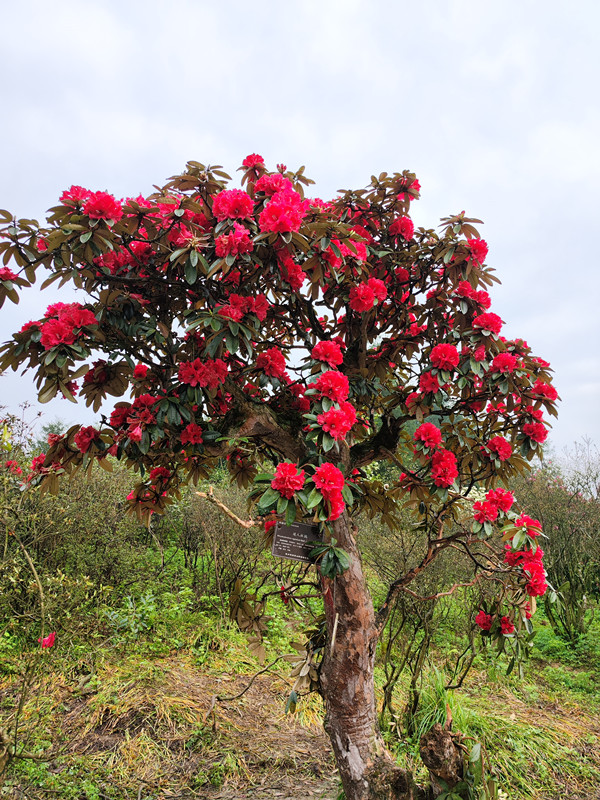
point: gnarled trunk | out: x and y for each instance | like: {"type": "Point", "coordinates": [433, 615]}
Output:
{"type": "Point", "coordinates": [367, 770]}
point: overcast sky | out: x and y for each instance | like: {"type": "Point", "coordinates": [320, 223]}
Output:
{"type": "Point", "coordinates": [493, 105]}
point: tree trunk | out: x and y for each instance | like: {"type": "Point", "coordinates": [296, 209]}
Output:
{"type": "Point", "coordinates": [367, 770]}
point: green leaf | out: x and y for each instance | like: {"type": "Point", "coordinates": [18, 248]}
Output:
{"type": "Point", "coordinates": [85, 237]}
{"type": "Point", "coordinates": [290, 706]}
{"type": "Point", "coordinates": [290, 514]}
{"type": "Point", "coordinates": [282, 504]}
{"type": "Point", "coordinates": [269, 497]}
{"type": "Point", "coordinates": [190, 271]}
{"type": "Point", "coordinates": [314, 498]}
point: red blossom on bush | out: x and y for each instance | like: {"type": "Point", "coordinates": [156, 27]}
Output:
{"type": "Point", "coordinates": [501, 498]}
{"type": "Point", "coordinates": [337, 422]}
{"type": "Point", "coordinates": [429, 383]}
{"type": "Point", "coordinates": [328, 479]}
{"type": "Point", "coordinates": [288, 479]}
{"type": "Point", "coordinates": [499, 447]}
{"type": "Point", "coordinates": [55, 332]}
{"type": "Point", "coordinates": [429, 434]}
{"type": "Point", "coordinates": [253, 160]}
{"type": "Point", "coordinates": [504, 362]}
{"type": "Point", "coordinates": [237, 242]}
{"type": "Point", "coordinates": [7, 274]}
{"type": "Point", "coordinates": [484, 511]}
{"type": "Point", "coordinates": [208, 374]}
{"type": "Point", "coordinates": [488, 322]}
{"type": "Point", "coordinates": [484, 620]}
{"type": "Point", "coordinates": [272, 362]}
{"type": "Point", "coordinates": [403, 226]}
{"type": "Point", "coordinates": [48, 641]}
{"type": "Point", "coordinates": [443, 468]}
{"type": "Point", "coordinates": [444, 356]}
{"type": "Point", "coordinates": [140, 371]}
{"type": "Point", "coordinates": [284, 213]}
{"type": "Point", "coordinates": [536, 431]}
{"type": "Point", "coordinates": [329, 352]}
{"type": "Point", "coordinates": [232, 204]}
{"type": "Point", "coordinates": [478, 251]}
{"type": "Point", "coordinates": [191, 434]}
{"type": "Point", "coordinates": [546, 390]}
{"type": "Point", "coordinates": [334, 385]}
{"type": "Point", "coordinates": [506, 626]}
{"type": "Point", "coordinates": [85, 436]}
{"type": "Point", "coordinates": [101, 205]}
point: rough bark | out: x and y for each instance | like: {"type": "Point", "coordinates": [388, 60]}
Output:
{"type": "Point", "coordinates": [443, 758]}
{"type": "Point", "coordinates": [367, 770]}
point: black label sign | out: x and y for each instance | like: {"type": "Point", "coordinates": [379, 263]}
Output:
{"type": "Point", "coordinates": [291, 541]}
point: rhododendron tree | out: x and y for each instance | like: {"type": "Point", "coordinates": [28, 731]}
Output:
{"type": "Point", "coordinates": [303, 340]}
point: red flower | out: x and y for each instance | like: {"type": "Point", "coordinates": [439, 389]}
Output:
{"type": "Point", "coordinates": [329, 352]}
{"type": "Point", "coordinates": [536, 431]}
{"type": "Point", "coordinates": [235, 243]}
{"type": "Point", "coordinates": [287, 479]}
{"type": "Point", "coordinates": [284, 213]}
{"type": "Point", "coordinates": [488, 322]}
{"type": "Point", "coordinates": [334, 385]}
{"type": "Point", "coordinates": [504, 362]}
{"type": "Point", "coordinates": [273, 183]}
{"type": "Point", "coordinates": [443, 468]}
{"type": "Point", "coordinates": [429, 434]}
{"type": "Point", "coordinates": [272, 362]}
{"type": "Point", "coordinates": [501, 498]}
{"type": "Point", "coordinates": [140, 371]}
{"type": "Point", "coordinates": [506, 626]}
{"type": "Point", "coordinates": [402, 226]}
{"type": "Point", "coordinates": [484, 511]}
{"type": "Point", "coordinates": [429, 383]}
{"type": "Point", "coordinates": [542, 389]}
{"type": "Point", "coordinates": [159, 473]}
{"type": "Point", "coordinates": [500, 447]}
{"type": "Point", "coordinates": [362, 297]}
{"type": "Point", "coordinates": [55, 332]}
{"type": "Point", "coordinates": [101, 205]}
{"type": "Point", "coordinates": [291, 272]}
{"type": "Point", "coordinates": [13, 467]}
{"type": "Point", "coordinates": [208, 374]}
{"type": "Point", "coordinates": [379, 289]}
{"type": "Point", "coordinates": [7, 274]}
{"type": "Point", "coordinates": [191, 434]}
{"type": "Point", "coordinates": [252, 161]}
{"type": "Point", "coordinates": [76, 194]}
{"type": "Point", "coordinates": [338, 421]}
{"type": "Point", "coordinates": [85, 436]}
{"type": "Point", "coordinates": [328, 479]}
{"type": "Point", "coordinates": [402, 274]}
{"type": "Point", "coordinates": [444, 356]}
{"type": "Point", "coordinates": [484, 620]}
{"type": "Point", "coordinates": [533, 527]}
{"type": "Point", "coordinates": [336, 505]}
{"type": "Point", "coordinates": [119, 415]}
{"type": "Point", "coordinates": [232, 204]}
{"type": "Point", "coordinates": [478, 251]}
{"type": "Point", "coordinates": [48, 641]}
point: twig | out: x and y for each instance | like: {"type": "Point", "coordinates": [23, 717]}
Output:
{"type": "Point", "coordinates": [254, 677]}
{"type": "Point", "coordinates": [247, 523]}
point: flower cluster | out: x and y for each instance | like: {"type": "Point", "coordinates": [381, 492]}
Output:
{"type": "Point", "coordinates": [334, 385]}
{"type": "Point", "coordinates": [402, 226]}
{"type": "Point", "coordinates": [329, 352]}
{"type": "Point", "coordinates": [232, 204]}
{"type": "Point", "coordinates": [272, 362]}
{"type": "Point", "coordinates": [444, 356]}
{"type": "Point", "coordinates": [364, 296]}
{"type": "Point", "coordinates": [443, 468]}
{"type": "Point", "coordinates": [237, 242]}
{"type": "Point", "coordinates": [337, 422]}
{"type": "Point", "coordinates": [329, 480]}
{"type": "Point", "coordinates": [65, 324]}
{"type": "Point", "coordinates": [429, 435]}
{"type": "Point", "coordinates": [288, 479]}
{"type": "Point", "coordinates": [208, 374]}
{"type": "Point", "coordinates": [283, 213]}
